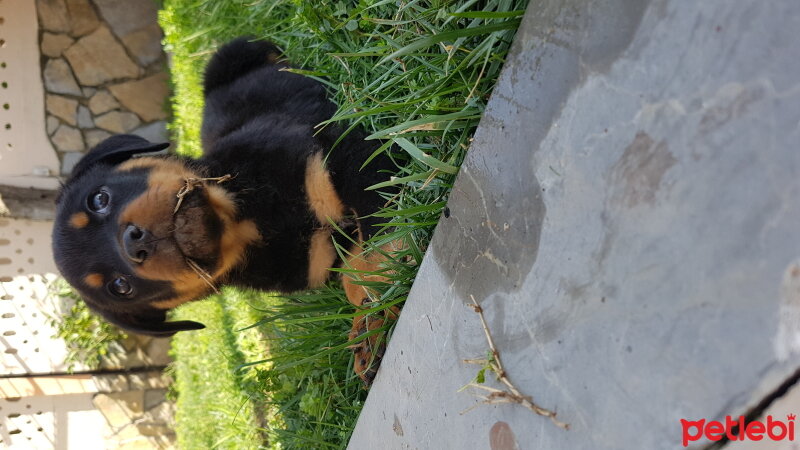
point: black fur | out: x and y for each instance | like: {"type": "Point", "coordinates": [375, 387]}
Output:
{"type": "Point", "coordinates": [261, 125]}
{"type": "Point", "coordinates": [258, 126]}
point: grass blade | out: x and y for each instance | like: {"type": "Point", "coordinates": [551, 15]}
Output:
{"type": "Point", "coordinates": [425, 158]}
{"type": "Point", "coordinates": [450, 36]}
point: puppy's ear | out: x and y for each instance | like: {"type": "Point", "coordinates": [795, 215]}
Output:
{"type": "Point", "coordinates": [115, 150]}
{"type": "Point", "coordinates": [151, 323]}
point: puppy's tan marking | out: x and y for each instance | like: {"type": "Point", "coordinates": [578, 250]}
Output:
{"type": "Point", "coordinates": [321, 256]}
{"type": "Point", "coordinates": [169, 165]}
{"type": "Point", "coordinates": [273, 58]}
{"type": "Point", "coordinates": [360, 262]}
{"type": "Point", "coordinates": [94, 280]}
{"type": "Point", "coordinates": [79, 220]}
{"type": "Point", "coordinates": [154, 210]}
{"type": "Point", "coordinates": [320, 193]}
{"type": "Point", "coordinates": [375, 345]}
{"type": "Point", "coordinates": [236, 236]}
{"type": "Point", "coordinates": [186, 296]}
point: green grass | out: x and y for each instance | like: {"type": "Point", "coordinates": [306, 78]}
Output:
{"type": "Point", "coordinates": [312, 388]}
{"type": "Point", "coordinates": [217, 405]}
{"type": "Point", "coordinates": [414, 73]}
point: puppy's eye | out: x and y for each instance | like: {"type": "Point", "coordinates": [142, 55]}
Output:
{"type": "Point", "coordinates": [120, 286]}
{"type": "Point", "coordinates": [99, 201]}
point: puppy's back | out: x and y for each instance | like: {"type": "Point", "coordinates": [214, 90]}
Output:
{"type": "Point", "coordinates": [237, 58]}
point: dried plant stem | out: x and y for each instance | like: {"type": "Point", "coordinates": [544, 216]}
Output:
{"type": "Point", "coordinates": [190, 183]}
{"type": "Point", "coordinates": [513, 395]}
{"type": "Point", "coordinates": [205, 276]}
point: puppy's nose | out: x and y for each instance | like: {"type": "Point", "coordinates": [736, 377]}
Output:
{"type": "Point", "coordinates": [138, 243]}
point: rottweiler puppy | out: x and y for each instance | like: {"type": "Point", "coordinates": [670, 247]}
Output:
{"type": "Point", "coordinates": [137, 236]}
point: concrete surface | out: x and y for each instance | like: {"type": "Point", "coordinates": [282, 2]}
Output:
{"type": "Point", "coordinates": [628, 218]}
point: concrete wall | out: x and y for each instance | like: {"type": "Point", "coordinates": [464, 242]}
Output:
{"type": "Point", "coordinates": [627, 217]}
{"type": "Point", "coordinates": [111, 411]}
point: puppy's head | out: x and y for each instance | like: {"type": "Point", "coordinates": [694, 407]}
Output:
{"type": "Point", "coordinates": [124, 241]}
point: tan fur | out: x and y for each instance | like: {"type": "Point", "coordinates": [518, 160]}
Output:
{"type": "Point", "coordinates": [273, 58]}
{"type": "Point", "coordinates": [236, 237]}
{"type": "Point", "coordinates": [356, 294]}
{"type": "Point", "coordinates": [321, 256]}
{"type": "Point", "coordinates": [320, 193]}
{"type": "Point", "coordinates": [165, 165]}
{"type": "Point", "coordinates": [373, 346]}
{"type": "Point", "coordinates": [171, 303]}
{"type": "Point", "coordinates": [79, 220]}
{"type": "Point", "coordinates": [94, 280]}
{"type": "Point", "coordinates": [154, 211]}
{"type": "Point", "coordinates": [187, 295]}
{"type": "Point", "coordinates": [221, 201]}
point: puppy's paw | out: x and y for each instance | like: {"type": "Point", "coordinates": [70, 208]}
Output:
{"type": "Point", "coordinates": [369, 351]}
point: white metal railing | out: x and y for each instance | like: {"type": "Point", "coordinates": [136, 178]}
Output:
{"type": "Point", "coordinates": [27, 157]}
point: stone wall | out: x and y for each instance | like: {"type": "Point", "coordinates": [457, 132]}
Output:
{"type": "Point", "coordinates": [136, 410]}
{"type": "Point", "coordinates": [104, 73]}
{"type": "Point", "coordinates": [135, 404]}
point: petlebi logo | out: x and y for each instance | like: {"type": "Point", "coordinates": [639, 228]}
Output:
{"type": "Point", "coordinates": [738, 429]}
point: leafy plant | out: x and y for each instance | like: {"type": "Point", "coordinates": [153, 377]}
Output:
{"type": "Point", "coordinates": [88, 337]}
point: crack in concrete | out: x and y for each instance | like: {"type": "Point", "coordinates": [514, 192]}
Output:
{"type": "Point", "coordinates": [757, 410]}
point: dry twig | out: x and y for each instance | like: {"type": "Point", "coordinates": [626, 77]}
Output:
{"type": "Point", "coordinates": [191, 183]}
{"type": "Point", "coordinates": [205, 276]}
{"type": "Point", "coordinates": [512, 395]}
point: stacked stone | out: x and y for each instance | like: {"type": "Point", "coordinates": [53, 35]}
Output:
{"type": "Point", "coordinates": [104, 73]}
{"type": "Point", "coordinates": [135, 404]}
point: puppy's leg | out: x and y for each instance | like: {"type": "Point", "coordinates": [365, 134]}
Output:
{"type": "Point", "coordinates": [369, 351]}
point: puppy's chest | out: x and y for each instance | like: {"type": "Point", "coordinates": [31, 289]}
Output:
{"type": "Point", "coordinates": [326, 205]}
{"type": "Point", "coordinates": [321, 196]}
{"type": "Point", "coordinates": [297, 222]}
